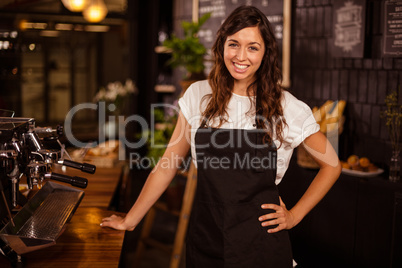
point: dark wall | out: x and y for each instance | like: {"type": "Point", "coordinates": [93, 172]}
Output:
{"type": "Point", "coordinates": [363, 82]}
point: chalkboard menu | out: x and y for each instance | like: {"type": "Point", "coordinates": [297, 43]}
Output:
{"type": "Point", "coordinates": [392, 45]}
{"type": "Point", "coordinates": [349, 27]}
{"type": "Point", "coordinates": [220, 9]}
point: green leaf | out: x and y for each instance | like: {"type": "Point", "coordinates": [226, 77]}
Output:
{"type": "Point", "coordinates": [188, 52]}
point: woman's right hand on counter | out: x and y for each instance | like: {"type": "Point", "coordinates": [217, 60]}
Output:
{"type": "Point", "coordinates": [157, 181]}
{"type": "Point", "coordinates": [116, 222]}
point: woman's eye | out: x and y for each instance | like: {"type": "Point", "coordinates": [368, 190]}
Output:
{"type": "Point", "coordinates": [254, 48]}
{"type": "Point", "coordinates": [233, 45]}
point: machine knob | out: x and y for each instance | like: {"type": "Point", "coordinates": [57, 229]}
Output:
{"type": "Point", "coordinates": [74, 181]}
{"type": "Point", "coordinates": [88, 168]}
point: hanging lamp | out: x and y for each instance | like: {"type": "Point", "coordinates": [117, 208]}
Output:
{"type": "Point", "coordinates": [75, 5]}
{"type": "Point", "coordinates": [95, 11]}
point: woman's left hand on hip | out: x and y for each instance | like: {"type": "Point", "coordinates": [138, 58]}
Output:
{"type": "Point", "coordinates": [281, 217]}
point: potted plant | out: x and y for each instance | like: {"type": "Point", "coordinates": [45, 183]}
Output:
{"type": "Point", "coordinates": [393, 120]}
{"type": "Point", "coordinates": [188, 52]}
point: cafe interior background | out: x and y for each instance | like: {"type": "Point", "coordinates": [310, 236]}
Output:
{"type": "Point", "coordinates": [52, 59]}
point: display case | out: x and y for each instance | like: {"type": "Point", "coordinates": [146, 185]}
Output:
{"type": "Point", "coordinates": [10, 68]}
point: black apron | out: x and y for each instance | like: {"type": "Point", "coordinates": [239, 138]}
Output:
{"type": "Point", "coordinates": [234, 179]}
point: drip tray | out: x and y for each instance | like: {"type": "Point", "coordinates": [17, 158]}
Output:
{"type": "Point", "coordinates": [41, 221]}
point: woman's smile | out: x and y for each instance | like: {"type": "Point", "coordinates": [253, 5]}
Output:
{"type": "Point", "coordinates": [240, 67]}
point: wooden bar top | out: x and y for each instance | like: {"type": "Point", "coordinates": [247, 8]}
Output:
{"type": "Point", "coordinates": [101, 185]}
{"type": "Point", "coordinates": [84, 243]}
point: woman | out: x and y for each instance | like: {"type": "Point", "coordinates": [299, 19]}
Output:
{"type": "Point", "coordinates": [242, 128]}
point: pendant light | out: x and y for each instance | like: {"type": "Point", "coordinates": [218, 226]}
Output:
{"type": "Point", "coordinates": [75, 5]}
{"type": "Point", "coordinates": [95, 11]}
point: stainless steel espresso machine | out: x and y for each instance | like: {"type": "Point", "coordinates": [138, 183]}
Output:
{"type": "Point", "coordinates": [28, 153]}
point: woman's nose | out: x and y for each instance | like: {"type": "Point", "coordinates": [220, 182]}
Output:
{"type": "Point", "coordinates": [241, 54]}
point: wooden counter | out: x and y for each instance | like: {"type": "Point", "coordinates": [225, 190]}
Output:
{"type": "Point", "coordinates": [101, 186]}
{"type": "Point", "coordinates": [84, 243]}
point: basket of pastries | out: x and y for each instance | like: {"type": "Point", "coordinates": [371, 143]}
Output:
{"type": "Point", "coordinates": [360, 166]}
{"type": "Point", "coordinates": [330, 118]}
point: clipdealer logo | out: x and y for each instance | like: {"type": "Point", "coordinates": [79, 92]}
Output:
{"type": "Point", "coordinates": [145, 139]}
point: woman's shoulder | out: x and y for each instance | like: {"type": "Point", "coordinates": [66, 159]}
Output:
{"type": "Point", "coordinates": [197, 91]}
{"type": "Point", "coordinates": [293, 106]}
{"type": "Point", "coordinates": [201, 87]}
{"type": "Point", "coordinates": [288, 97]}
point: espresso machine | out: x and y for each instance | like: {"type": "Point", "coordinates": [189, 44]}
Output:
{"type": "Point", "coordinates": [29, 153]}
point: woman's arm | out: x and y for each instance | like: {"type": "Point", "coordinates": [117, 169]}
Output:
{"type": "Point", "coordinates": [324, 154]}
{"type": "Point", "coordinates": [158, 180]}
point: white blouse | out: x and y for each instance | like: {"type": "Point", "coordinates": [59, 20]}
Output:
{"type": "Point", "coordinates": [241, 115]}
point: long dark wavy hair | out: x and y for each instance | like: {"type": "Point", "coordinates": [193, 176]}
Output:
{"type": "Point", "coordinates": [266, 87]}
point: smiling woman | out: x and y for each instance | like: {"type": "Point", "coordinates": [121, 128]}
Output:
{"type": "Point", "coordinates": [238, 218]}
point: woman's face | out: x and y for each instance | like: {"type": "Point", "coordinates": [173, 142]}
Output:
{"type": "Point", "coordinates": [243, 54]}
